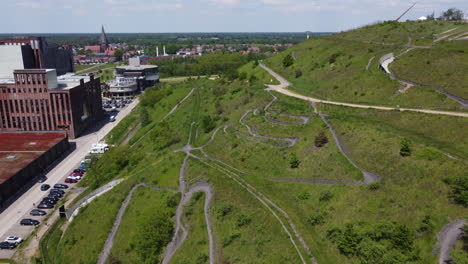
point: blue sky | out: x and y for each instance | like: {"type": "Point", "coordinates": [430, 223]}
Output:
{"type": "Point", "coordinates": [76, 16]}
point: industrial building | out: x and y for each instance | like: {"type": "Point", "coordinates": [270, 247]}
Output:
{"type": "Point", "coordinates": [38, 100]}
{"type": "Point", "coordinates": [33, 53]}
{"type": "Point", "coordinates": [25, 155]}
{"type": "Point", "coordinates": [133, 78]}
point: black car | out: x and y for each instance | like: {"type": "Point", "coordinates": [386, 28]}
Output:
{"type": "Point", "coordinates": [62, 192]}
{"type": "Point", "coordinates": [45, 206]}
{"type": "Point", "coordinates": [60, 186]}
{"type": "Point", "coordinates": [55, 195]}
{"type": "Point", "coordinates": [49, 200]}
{"type": "Point", "coordinates": [45, 187]}
{"type": "Point", "coordinates": [79, 171]}
{"type": "Point", "coordinates": [28, 221]}
{"type": "Point", "coordinates": [42, 179]}
{"type": "Point", "coordinates": [37, 212]}
{"type": "Point", "coordinates": [6, 245]}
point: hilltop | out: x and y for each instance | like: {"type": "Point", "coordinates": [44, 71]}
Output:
{"type": "Point", "coordinates": [430, 56]}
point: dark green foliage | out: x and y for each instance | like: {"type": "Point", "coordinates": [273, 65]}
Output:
{"type": "Point", "coordinates": [460, 190]}
{"type": "Point", "coordinates": [317, 218]}
{"type": "Point", "coordinates": [303, 196]}
{"type": "Point", "coordinates": [208, 124]}
{"type": "Point", "coordinates": [243, 220]}
{"type": "Point", "coordinates": [164, 136]}
{"type": "Point", "coordinates": [293, 161]}
{"type": "Point", "coordinates": [325, 196]}
{"type": "Point", "coordinates": [118, 54]}
{"type": "Point", "coordinates": [298, 73]}
{"type": "Point", "coordinates": [156, 231]}
{"type": "Point", "coordinates": [154, 94]}
{"type": "Point", "coordinates": [321, 139]}
{"type": "Point", "coordinates": [379, 243]}
{"type": "Point", "coordinates": [427, 225]}
{"type": "Point", "coordinates": [223, 211]}
{"type": "Point", "coordinates": [144, 117]}
{"type": "Point", "coordinates": [374, 186]}
{"type": "Point", "coordinates": [452, 14]}
{"type": "Point", "coordinates": [253, 78]}
{"type": "Point", "coordinates": [405, 150]}
{"type": "Point", "coordinates": [288, 61]}
{"type": "Point", "coordinates": [228, 240]}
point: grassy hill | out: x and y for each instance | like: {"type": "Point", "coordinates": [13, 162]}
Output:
{"type": "Point", "coordinates": [344, 66]}
{"type": "Point", "coordinates": [284, 190]}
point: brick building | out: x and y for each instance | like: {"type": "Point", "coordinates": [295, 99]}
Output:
{"type": "Point", "coordinates": [38, 100]}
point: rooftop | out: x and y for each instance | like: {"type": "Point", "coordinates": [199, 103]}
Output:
{"type": "Point", "coordinates": [136, 67]}
{"type": "Point", "coordinates": [18, 149]}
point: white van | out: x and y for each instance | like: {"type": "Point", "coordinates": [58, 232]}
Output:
{"type": "Point", "coordinates": [99, 148]}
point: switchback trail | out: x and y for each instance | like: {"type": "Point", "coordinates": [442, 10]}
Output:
{"type": "Point", "coordinates": [281, 88]}
{"type": "Point", "coordinates": [118, 219]}
{"type": "Point", "coordinates": [447, 239]}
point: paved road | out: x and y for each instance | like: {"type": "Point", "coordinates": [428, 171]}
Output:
{"type": "Point", "coordinates": [281, 88]}
{"type": "Point", "coordinates": [10, 217]}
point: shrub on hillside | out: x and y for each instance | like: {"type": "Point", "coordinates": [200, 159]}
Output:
{"type": "Point", "coordinates": [460, 190]}
{"type": "Point", "coordinates": [144, 117]}
{"type": "Point", "coordinates": [208, 124]}
{"type": "Point", "coordinates": [293, 161]}
{"type": "Point", "coordinates": [405, 149]}
{"type": "Point", "coordinates": [321, 139]}
{"type": "Point", "coordinates": [155, 232]}
{"type": "Point", "coordinates": [164, 136]}
{"type": "Point", "coordinates": [288, 61]}
{"type": "Point", "coordinates": [298, 73]}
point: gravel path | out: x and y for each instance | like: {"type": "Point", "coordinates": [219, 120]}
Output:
{"type": "Point", "coordinates": [166, 116]}
{"type": "Point", "coordinates": [447, 239]}
{"type": "Point", "coordinates": [369, 63]}
{"type": "Point", "coordinates": [118, 219]}
{"type": "Point", "coordinates": [281, 88]}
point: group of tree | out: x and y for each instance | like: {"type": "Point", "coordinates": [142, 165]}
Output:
{"type": "Point", "coordinates": [221, 63]}
{"type": "Point", "coordinates": [452, 14]}
{"type": "Point", "coordinates": [376, 243]}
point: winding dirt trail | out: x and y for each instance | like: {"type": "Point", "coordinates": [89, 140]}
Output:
{"type": "Point", "coordinates": [447, 238]}
{"type": "Point", "coordinates": [281, 88]}
{"type": "Point", "coordinates": [232, 173]}
{"type": "Point", "coordinates": [118, 219]}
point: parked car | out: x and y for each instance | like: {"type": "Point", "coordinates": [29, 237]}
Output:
{"type": "Point", "coordinates": [37, 212]}
{"type": "Point", "coordinates": [70, 180]}
{"type": "Point", "coordinates": [45, 187]}
{"type": "Point", "coordinates": [28, 221]}
{"type": "Point", "coordinates": [14, 240]}
{"type": "Point", "coordinates": [45, 206]}
{"type": "Point", "coordinates": [50, 200]}
{"type": "Point", "coordinates": [60, 186]}
{"type": "Point", "coordinates": [79, 171]}
{"type": "Point", "coordinates": [62, 192]}
{"type": "Point", "coordinates": [55, 195]}
{"type": "Point", "coordinates": [76, 174]}
{"type": "Point", "coordinates": [74, 177]}
{"type": "Point", "coordinates": [42, 179]}
{"type": "Point", "coordinates": [111, 118]}
{"type": "Point", "coordinates": [6, 245]}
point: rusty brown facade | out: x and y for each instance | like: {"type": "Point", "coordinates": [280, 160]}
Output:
{"type": "Point", "coordinates": [29, 104]}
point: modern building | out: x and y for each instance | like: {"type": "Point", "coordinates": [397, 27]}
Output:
{"type": "Point", "coordinates": [25, 155]}
{"type": "Point", "coordinates": [38, 100]}
{"type": "Point", "coordinates": [34, 53]}
{"type": "Point", "coordinates": [133, 78]}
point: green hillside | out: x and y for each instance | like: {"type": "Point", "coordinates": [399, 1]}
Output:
{"type": "Point", "coordinates": [285, 181]}
{"type": "Point", "coordinates": [344, 66]}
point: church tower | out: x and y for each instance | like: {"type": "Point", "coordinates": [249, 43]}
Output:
{"type": "Point", "coordinates": [104, 43]}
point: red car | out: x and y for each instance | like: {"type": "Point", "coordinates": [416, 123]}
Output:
{"type": "Point", "coordinates": [70, 180]}
{"type": "Point", "coordinates": [76, 174]}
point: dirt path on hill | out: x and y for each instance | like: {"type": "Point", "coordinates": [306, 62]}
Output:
{"type": "Point", "coordinates": [369, 63]}
{"type": "Point", "coordinates": [166, 116]}
{"type": "Point", "coordinates": [281, 88]}
{"type": "Point", "coordinates": [118, 219]}
{"type": "Point", "coordinates": [447, 238]}
{"type": "Point", "coordinates": [232, 173]}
